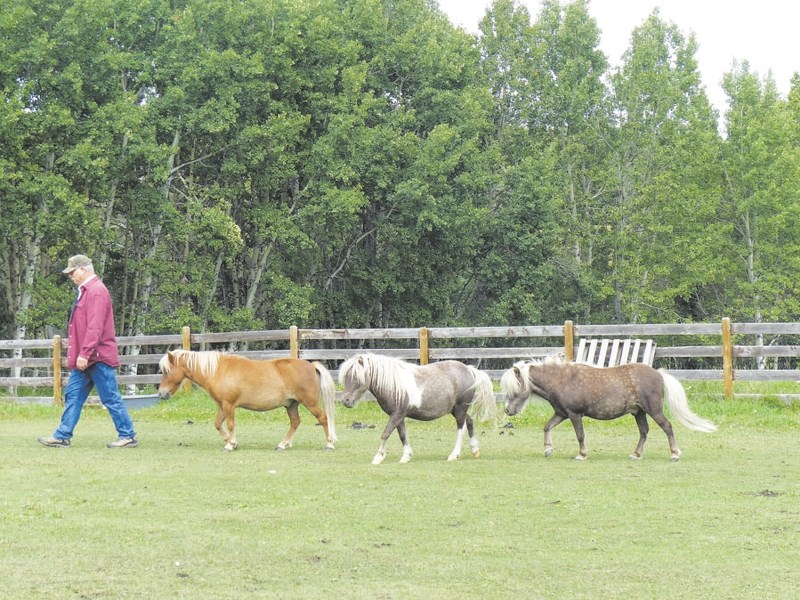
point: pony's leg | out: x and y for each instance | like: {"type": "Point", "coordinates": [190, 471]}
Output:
{"type": "Point", "coordinates": [548, 436]}
{"type": "Point", "coordinates": [407, 451]}
{"type": "Point", "coordinates": [218, 423]}
{"type": "Point", "coordinates": [320, 415]}
{"type": "Point", "coordinates": [394, 419]}
{"type": "Point", "coordinates": [641, 421]}
{"type": "Point", "coordinates": [456, 453]}
{"type": "Point", "coordinates": [666, 426]}
{"type": "Point", "coordinates": [473, 441]}
{"type": "Point", "coordinates": [294, 422]}
{"type": "Point", "coordinates": [577, 424]}
{"type": "Point", "coordinates": [229, 410]}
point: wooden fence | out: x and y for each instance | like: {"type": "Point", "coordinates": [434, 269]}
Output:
{"type": "Point", "coordinates": [726, 351]}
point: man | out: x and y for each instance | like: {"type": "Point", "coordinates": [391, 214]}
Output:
{"type": "Point", "coordinates": [92, 358]}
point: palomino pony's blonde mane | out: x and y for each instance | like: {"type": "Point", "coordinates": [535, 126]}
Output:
{"type": "Point", "coordinates": [205, 362]}
{"type": "Point", "coordinates": [388, 376]}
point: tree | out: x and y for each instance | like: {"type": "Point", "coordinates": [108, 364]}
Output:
{"type": "Point", "coordinates": [761, 200]}
{"type": "Point", "coordinates": [660, 250]}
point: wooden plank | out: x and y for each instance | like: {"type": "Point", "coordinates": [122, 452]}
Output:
{"type": "Point", "coordinates": [649, 352]}
{"type": "Point", "coordinates": [614, 354]}
{"type": "Point", "coordinates": [359, 334]}
{"type": "Point", "coordinates": [647, 330]}
{"type": "Point", "coordinates": [149, 340]}
{"type": "Point", "coordinates": [494, 332]}
{"type": "Point", "coordinates": [766, 328]}
{"type": "Point", "coordinates": [580, 354]}
{"type": "Point", "coordinates": [767, 375]}
{"type": "Point", "coordinates": [625, 352]}
{"type": "Point", "coordinates": [756, 351]}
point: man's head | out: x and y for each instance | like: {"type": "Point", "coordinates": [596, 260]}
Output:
{"type": "Point", "coordinates": [79, 268]}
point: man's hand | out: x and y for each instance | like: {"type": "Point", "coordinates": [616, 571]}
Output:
{"type": "Point", "coordinates": [81, 363]}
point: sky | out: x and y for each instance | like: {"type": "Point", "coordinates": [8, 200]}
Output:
{"type": "Point", "coordinates": [764, 33]}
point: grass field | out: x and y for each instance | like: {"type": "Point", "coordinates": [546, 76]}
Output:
{"type": "Point", "coordinates": [178, 518]}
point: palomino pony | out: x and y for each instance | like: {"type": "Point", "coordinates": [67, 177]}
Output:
{"type": "Point", "coordinates": [424, 393]}
{"type": "Point", "coordinates": [577, 390]}
{"type": "Point", "coordinates": [239, 382]}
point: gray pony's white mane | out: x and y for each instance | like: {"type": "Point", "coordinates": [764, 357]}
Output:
{"type": "Point", "coordinates": [384, 375]}
{"type": "Point", "coordinates": [205, 362]}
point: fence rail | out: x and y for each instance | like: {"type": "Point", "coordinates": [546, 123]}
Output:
{"type": "Point", "coordinates": [36, 364]}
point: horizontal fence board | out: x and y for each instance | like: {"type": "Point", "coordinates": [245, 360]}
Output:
{"type": "Point", "coordinates": [755, 351]}
{"type": "Point", "coordinates": [36, 363]}
{"type": "Point", "coordinates": [766, 375]}
{"type": "Point", "coordinates": [358, 334]}
{"type": "Point", "coordinates": [344, 354]}
{"type": "Point", "coordinates": [688, 352]}
{"type": "Point", "coordinates": [648, 330]}
{"type": "Point", "coordinates": [145, 340]}
{"type": "Point", "coordinates": [512, 353]}
{"type": "Point", "coordinates": [766, 328]}
{"type": "Point", "coordinates": [495, 332]}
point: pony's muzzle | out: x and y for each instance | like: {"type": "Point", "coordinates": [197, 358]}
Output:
{"type": "Point", "coordinates": [165, 395]}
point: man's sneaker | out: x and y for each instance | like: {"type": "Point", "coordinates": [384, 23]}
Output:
{"type": "Point", "coordinates": [53, 442]}
{"type": "Point", "coordinates": [123, 443]}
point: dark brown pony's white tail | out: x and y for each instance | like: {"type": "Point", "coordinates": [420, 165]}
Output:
{"type": "Point", "coordinates": [679, 405]}
{"type": "Point", "coordinates": [327, 390]}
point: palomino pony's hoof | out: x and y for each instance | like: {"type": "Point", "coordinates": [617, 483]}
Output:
{"type": "Point", "coordinates": [229, 447]}
{"type": "Point", "coordinates": [634, 457]}
{"type": "Point", "coordinates": [580, 457]}
{"type": "Point", "coordinates": [329, 448]}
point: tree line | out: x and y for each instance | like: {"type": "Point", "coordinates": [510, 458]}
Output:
{"type": "Point", "coordinates": [365, 163]}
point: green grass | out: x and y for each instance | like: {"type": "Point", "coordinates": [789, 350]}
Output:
{"type": "Point", "coordinates": [178, 518]}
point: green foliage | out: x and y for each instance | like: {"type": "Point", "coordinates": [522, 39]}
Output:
{"type": "Point", "coordinates": [365, 163]}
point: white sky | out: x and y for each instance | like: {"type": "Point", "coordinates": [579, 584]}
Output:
{"type": "Point", "coordinates": [765, 33]}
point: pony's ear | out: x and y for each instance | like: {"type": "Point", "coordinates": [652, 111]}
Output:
{"type": "Point", "coordinates": [517, 372]}
{"type": "Point", "coordinates": [171, 357]}
{"type": "Point", "coordinates": [360, 360]}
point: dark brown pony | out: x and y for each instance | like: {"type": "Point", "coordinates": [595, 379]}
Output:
{"type": "Point", "coordinates": [239, 382]}
{"type": "Point", "coordinates": [578, 390]}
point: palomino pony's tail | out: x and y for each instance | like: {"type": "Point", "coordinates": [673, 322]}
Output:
{"type": "Point", "coordinates": [679, 405]}
{"type": "Point", "coordinates": [484, 403]}
{"type": "Point", "coordinates": [327, 390]}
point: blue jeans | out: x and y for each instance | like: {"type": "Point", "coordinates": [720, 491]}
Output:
{"type": "Point", "coordinates": [80, 383]}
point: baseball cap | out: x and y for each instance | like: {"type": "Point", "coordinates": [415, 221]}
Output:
{"type": "Point", "coordinates": [77, 262]}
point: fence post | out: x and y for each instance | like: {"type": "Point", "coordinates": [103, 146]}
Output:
{"type": "Point", "coordinates": [186, 344]}
{"type": "Point", "coordinates": [294, 342]}
{"type": "Point", "coordinates": [569, 341]}
{"type": "Point", "coordinates": [423, 346]}
{"type": "Point", "coordinates": [727, 358]}
{"type": "Point", "coordinates": [57, 400]}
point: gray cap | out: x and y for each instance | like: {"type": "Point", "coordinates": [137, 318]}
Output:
{"type": "Point", "coordinates": [78, 261]}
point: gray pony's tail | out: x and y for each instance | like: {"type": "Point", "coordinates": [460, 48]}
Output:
{"type": "Point", "coordinates": [484, 403]}
{"type": "Point", "coordinates": [679, 405]}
